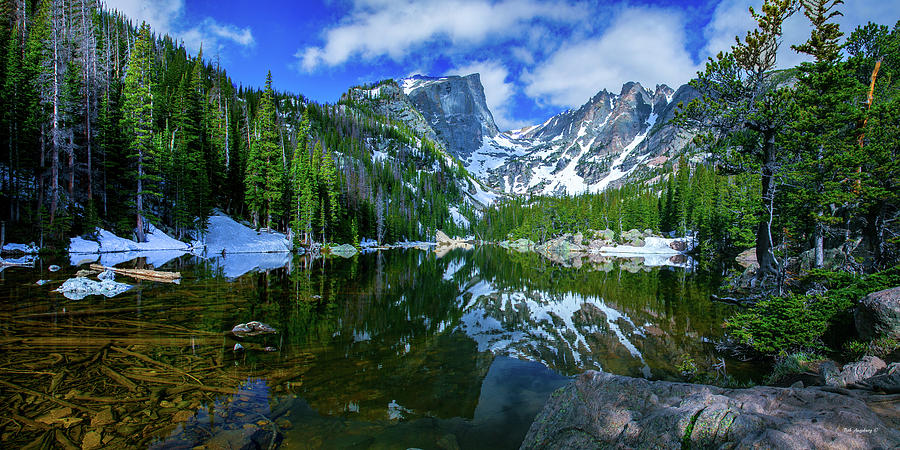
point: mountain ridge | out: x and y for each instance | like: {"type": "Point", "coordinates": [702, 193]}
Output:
{"type": "Point", "coordinates": [587, 149]}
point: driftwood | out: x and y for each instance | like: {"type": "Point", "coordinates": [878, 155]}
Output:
{"type": "Point", "coordinates": [733, 301]}
{"type": "Point", "coordinates": [142, 274]}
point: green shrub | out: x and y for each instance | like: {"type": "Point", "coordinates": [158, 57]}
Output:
{"type": "Point", "coordinates": [687, 367]}
{"type": "Point", "coordinates": [880, 347]}
{"type": "Point", "coordinates": [855, 349]}
{"type": "Point", "coordinates": [779, 324]}
{"type": "Point", "coordinates": [791, 364]}
{"type": "Point", "coordinates": [782, 325]}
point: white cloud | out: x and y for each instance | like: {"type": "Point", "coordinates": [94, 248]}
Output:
{"type": "Point", "coordinates": [213, 36]}
{"type": "Point", "coordinates": [240, 36]}
{"type": "Point", "coordinates": [160, 14]}
{"type": "Point", "coordinates": [498, 92]}
{"type": "Point", "coordinates": [167, 17]}
{"type": "Point", "coordinates": [383, 28]}
{"type": "Point", "coordinates": [732, 18]}
{"type": "Point", "coordinates": [641, 44]}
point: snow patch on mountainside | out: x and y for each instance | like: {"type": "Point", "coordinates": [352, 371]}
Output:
{"type": "Point", "coordinates": [418, 81]}
{"type": "Point", "coordinates": [460, 220]}
{"type": "Point", "coordinates": [616, 171]}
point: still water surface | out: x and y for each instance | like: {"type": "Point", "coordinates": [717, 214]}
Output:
{"type": "Point", "coordinates": [393, 349]}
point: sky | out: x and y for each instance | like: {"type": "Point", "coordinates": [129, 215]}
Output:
{"type": "Point", "coordinates": [536, 58]}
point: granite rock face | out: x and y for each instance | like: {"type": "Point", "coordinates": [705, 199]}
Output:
{"type": "Point", "coordinates": [601, 410]}
{"type": "Point", "coordinates": [456, 109]}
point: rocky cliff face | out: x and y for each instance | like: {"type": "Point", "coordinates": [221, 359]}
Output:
{"type": "Point", "coordinates": [456, 109]}
{"type": "Point", "coordinates": [589, 149]}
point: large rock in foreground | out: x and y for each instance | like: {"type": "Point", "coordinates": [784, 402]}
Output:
{"type": "Point", "coordinates": [878, 314]}
{"type": "Point", "coordinates": [602, 410]}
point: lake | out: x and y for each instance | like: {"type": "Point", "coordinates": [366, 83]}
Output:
{"type": "Point", "coordinates": [393, 349]}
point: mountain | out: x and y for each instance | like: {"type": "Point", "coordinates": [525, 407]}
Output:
{"type": "Point", "coordinates": [456, 108]}
{"type": "Point", "coordinates": [598, 145]}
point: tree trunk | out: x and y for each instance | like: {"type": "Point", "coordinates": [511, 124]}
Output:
{"type": "Point", "coordinates": [819, 247]}
{"type": "Point", "coordinates": [874, 232]}
{"type": "Point", "coordinates": [88, 69]}
{"type": "Point", "coordinates": [765, 255]}
{"type": "Point", "coordinates": [54, 132]}
{"type": "Point", "coordinates": [140, 199]}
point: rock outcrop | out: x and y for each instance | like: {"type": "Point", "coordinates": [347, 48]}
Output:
{"type": "Point", "coordinates": [603, 410]}
{"type": "Point", "coordinates": [878, 314]}
{"type": "Point", "coordinates": [446, 243]}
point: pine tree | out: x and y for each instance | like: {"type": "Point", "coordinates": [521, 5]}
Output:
{"type": "Point", "coordinates": [190, 177]}
{"type": "Point", "coordinates": [875, 61]}
{"type": "Point", "coordinates": [819, 138]}
{"type": "Point", "coordinates": [329, 180]}
{"type": "Point", "coordinates": [742, 112]}
{"type": "Point", "coordinates": [264, 167]}
{"type": "Point", "coordinates": [137, 118]}
{"type": "Point", "coordinates": [309, 194]}
{"type": "Point", "coordinates": [299, 172]}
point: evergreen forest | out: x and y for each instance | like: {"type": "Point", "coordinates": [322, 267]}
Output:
{"type": "Point", "coordinates": [107, 124]}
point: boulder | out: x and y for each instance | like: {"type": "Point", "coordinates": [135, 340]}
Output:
{"type": "Point", "coordinates": [679, 246]}
{"type": "Point", "coordinates": [636, 242]}
{"type": "Point", "coordinates": [607, 235]}
{"type": "Point", "coordinates": [252, 328]}
{"type": "Point", "coordinates": [578, 239]}
{"type": "Point", "coordinates": [860, 370]}
{"type": "Point", "coordinates": [830, 374]}
{"type": "Point", "coordinates": [601, 410]}
{"type": "Point", "coordinates": [878, 314]}
{"type": "Point", "coordinates": [631, 235]}
{"type": "Point", "coordinates": [521, 245]}
{"type": "Point", "coordinates": [441, 237]}
{"type": "Point", "coordinates": [887, 380]}
{"type": "Point", "coordinates": [833, 259]}
{"type": "Point", "coordinates": [747, 258]}
{"type": "Point", "coordinates": [343, 250]}
{"type": "Point", "coordinates": [597, 244]}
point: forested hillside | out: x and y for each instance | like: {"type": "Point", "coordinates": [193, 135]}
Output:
{"type": "Point", "coordinates": [107, 124]}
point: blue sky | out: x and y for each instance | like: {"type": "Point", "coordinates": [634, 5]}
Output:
{"type": "Point", "coordinates": [536, 58]}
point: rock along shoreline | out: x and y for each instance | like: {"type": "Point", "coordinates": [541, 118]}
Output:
{"type": "Point", "coordinates": [601, 410]}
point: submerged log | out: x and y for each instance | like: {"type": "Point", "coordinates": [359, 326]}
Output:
{"type": "Point", "coordinates": [142, 274]}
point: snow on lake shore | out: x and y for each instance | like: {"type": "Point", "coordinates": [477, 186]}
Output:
{"type": "Point", "coordinates": [29, 249]}
{"type": "Point", "coordinates": [224, 234]}
{"type": "Point", "coordinates": [652, 246]}
{"type": "Point", "coordinates": [107, 242]}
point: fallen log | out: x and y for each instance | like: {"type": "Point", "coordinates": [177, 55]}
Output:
{"type": "Point", "coordinates": [142, 274]}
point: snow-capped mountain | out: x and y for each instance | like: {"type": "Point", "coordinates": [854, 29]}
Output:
{"type": "Point", "coordinates": [588, 149]}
